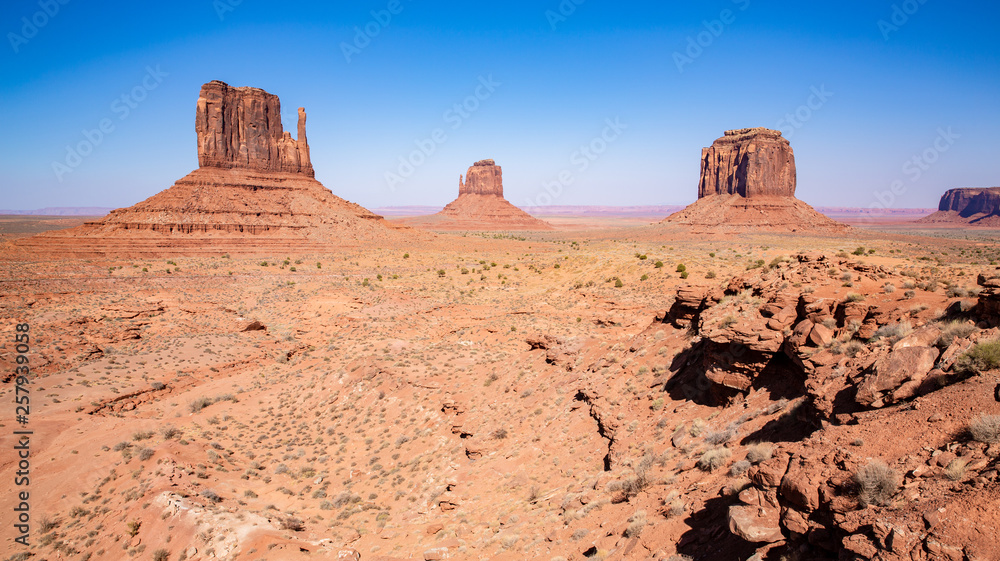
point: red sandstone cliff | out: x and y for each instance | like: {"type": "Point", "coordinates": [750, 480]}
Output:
{"type": "Point", "coordinates": [977, 207]}
{"type": "Point", "coordinates": [748, 181]}
{"type": "Point", "coordinates": [480, 205]}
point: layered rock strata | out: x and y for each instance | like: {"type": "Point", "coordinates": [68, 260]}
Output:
{"type": "Point", "coordinates": [976, 207]}
{"type": "Point", "coordinates": [748, 181]}
{"type": "Point", "coordinates": [480, 205]}
{"type": "Point", "coordinates": [255, 192]}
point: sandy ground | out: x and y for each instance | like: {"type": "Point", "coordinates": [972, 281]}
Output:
{"type": "Point", "coordinates": [453, 399]}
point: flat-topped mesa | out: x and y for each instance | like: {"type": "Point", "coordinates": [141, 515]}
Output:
{"type": "Point", "coordinates": [748, 162]}
{"type": "Point", "coordinates": [972, 206]}
{"type": "Point", "coordinates": [483, 178]}
{"type": "Point", "coordinates": [241, 128]}
{"type": "Point", "coordinates": [971, 201]}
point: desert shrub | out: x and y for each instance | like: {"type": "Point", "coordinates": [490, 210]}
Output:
{"type": "Point", "coordinates": [200, 403]}
{"type": "Point", "coordinates": [758, 452]}
{"type": "Point", "coordinates": [852, 348]}
{"type": "Point", "coordinates": [133, 527]}
{"type": "Point", "coordinates": [685, 274]}
{"type": "Point", "coordinates": [681, 267]}
{"type": "Point", "coordinates": [499, 434]}
{"type": "Point", "coordinates": [292, 523]}
{"type": "Point", "coordinates": [158, 386]}
{"type": "Point", "coordinates": [170, 432]}
{"type": "Point", "coordinates": [893, 332]}
{"type": "Point", "coordinates": [986, 429]}
{"type": "Point", "coordinates": [161, 555]}
{"type": "Point", "coordinates": [142, 435]}
{"type": "Point", "coordinates": [710, 275]}
{"type": "Point", "coordinates": [855, 297]}
{"type": "Point", "coordinates": [714, 459]}
{"type": "Point", "coordinates": [955, 330]}
{"type": "Point", "coordinates": [859, 251]}
{"type": "Point", "coordinates": [618, 283]}
{"type": "Point", "coordinates": [697, 427]}
{"type": "Point", "coordinates": [720, 437]}
{"type": "Point", "coordinates": [644, 277]}
{"type": "Point", "coordinates": [636, 523]}
{"type": "Point", "coordinates": [909, 294]}
{"type": "Point", "coordinates": [980, 358]}
{"type": "Point", "coordinates": [146, 453]}
{"type": "Point", "coordinates": [877, 483]}
{"type": "Point", "coordinates": [441, 272]}
{"type": "Point", "coordinates": [658, 264]}
{"type": "Point", "coordinates": [739, 468]}
{"type": "Point", "coordinates": [211, 496]}
{"type": "Point", "coordinates": [889, 288]}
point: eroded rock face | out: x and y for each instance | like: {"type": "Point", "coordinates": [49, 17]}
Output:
{"type": "Point", "coordinates": [241, 128]}
{"type": "Point", "coordinates": [748, 183]}
{"type": "Point", "coordinates": [969, 206]}
{"type": "Point", "coordinates": [749, 163]}
{"type": "Point", "coordinates": [483, 178]}
{"type": "Point", "coordinates": [480, 205]}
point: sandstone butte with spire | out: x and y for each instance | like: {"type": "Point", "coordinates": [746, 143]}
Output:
{"type": "Point", "coordinates": [480, 205]}
{"type": "Point", "coordinates": [254, 192]}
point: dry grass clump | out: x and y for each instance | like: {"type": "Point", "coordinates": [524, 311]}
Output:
{"type": "Point", "coordinates": [758, 452]}
{"type": "Point", "coordinates": [955, 330]}
{"type": "Point", "coordinates": [877, 483]}
{"type": "Point", "coordinates": [714, 459]}
{"type": "Point", "coordinates": [986, 429]}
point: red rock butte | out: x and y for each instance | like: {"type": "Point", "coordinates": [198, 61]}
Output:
{"type": "Point", "coordinates": [974, 207]}
{"type": "Point", "coordinates": [480, 205]}
{"type": "Point", "coordinates": [748, 181]}
{"type": "Point", "coordinates": [254, 193]}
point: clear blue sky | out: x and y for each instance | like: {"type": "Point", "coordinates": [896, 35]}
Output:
{"type": "Point", "coordinates": [559, 80]}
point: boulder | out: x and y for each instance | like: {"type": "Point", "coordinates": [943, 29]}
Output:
{"type": "Point", "coordinates": [891, 371]}
{"type": "Point", "coordinates": [755, 524]}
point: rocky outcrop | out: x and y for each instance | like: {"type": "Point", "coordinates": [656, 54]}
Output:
{"type": "Point", "coordinates": [989, 297]}
{"type": "Point", "coordinates": [748, 181]}
{"type": "Point", "coordinates": [483, 178]}
{"type": "Point", "coordinates": [979, 207]}
{"type": "Point", "coordinates": [253, 194]}
{"type": "Point", "coordinates": [480, 205]}
{"type": "Point", "coordinates": [749, 163]}
{"type": "Point", "coordinates": [241, 128]}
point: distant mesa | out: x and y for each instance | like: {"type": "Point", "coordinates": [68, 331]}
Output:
{"type": "Point", "coordinates": [748, 181]}
{"type": "Point", "coordinates": [480, 205]}
{"type": "Point", "coordinates": [975, 207]}
{"type": "Point", "coordinates": [254, 193]}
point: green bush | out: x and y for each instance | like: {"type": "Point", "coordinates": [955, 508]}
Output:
{"type": "Point", "coordinates": [658, 264]}
{"type": "Point", "coordinates": [980, 358]}
{"type": "Point", "coordinates": [681, 268]}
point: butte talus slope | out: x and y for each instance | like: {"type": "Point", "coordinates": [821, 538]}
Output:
{"type": "Point", "coordinates": [974, 207]}
{"type": "Point", "coordinates": [254, 192]}
{"type": "Point", "coordinates": [748, 181]}
{"type": "Point", "coordinates": [481, 205]}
